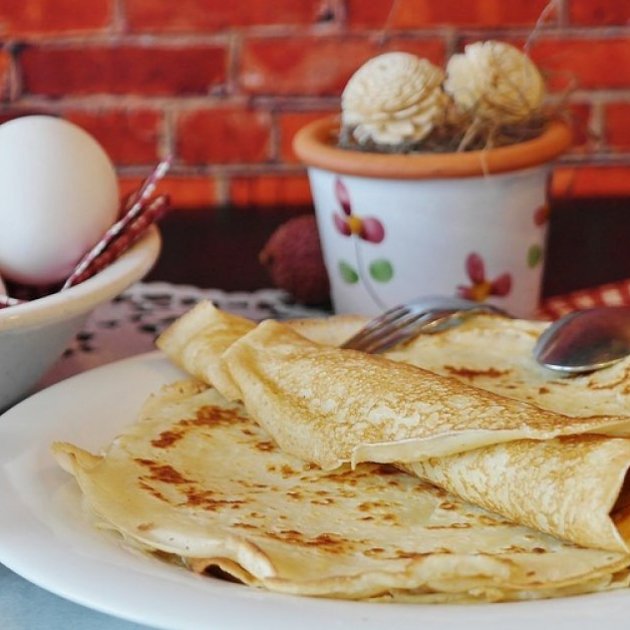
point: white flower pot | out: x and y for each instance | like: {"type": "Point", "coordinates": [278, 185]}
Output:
{"type": "Point", "coordinates": [396, 227]}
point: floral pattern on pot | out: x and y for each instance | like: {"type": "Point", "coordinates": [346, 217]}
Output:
{"type": "Point", "coordinates": [360, 228]}
{"type": "Point", "coordinates": [348, 272]}
{"type": "Point", "coordinates": [541, 215]}
{"type": "Point", "coordinates": [350, 224]}
{"type": "Point", "coordinates": [534, 256]}
{"type": "Point", "coordinates": [482, 288]}
{"type": "Point", "coordinates": [535, 252]}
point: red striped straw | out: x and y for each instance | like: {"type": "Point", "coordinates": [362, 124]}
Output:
{"type": "Point", "coordinates": [135, 207]}
{"type": "Point", "coordinates": [153, 211]}
{"type": "Point", "coordinates": [134, 230]}
{"type": "Point", "coordinates": [6, 301]}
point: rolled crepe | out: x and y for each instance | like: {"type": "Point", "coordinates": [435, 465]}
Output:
{"type": "Point", "coordinates": [330, 406]}
{"type": "Point", "coordinates": [196, 341]}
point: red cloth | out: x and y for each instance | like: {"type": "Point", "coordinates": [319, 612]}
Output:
{"type": "Point", "coordinates": [611, 294]}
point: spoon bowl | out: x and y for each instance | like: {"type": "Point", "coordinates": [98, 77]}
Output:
{"type": "Point", "coordinates": [585, 340]}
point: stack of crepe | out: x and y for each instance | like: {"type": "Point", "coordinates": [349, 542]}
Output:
{"type": "Point", "coordinates": [453, 469]}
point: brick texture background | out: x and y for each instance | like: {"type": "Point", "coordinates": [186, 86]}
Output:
{"type": "Point", "coordinates": [223, 86]}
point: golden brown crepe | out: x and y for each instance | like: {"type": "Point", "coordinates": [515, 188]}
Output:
{"type": "Point", "coordinates": [196, 341]}
{"type": "Point", "coordinates": [495, 353]}
{"type": "Point", "coordinates": [331, 407]}
{"type": "Point", "coordinates": [196, 479]}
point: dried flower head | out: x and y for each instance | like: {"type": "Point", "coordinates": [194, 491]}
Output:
{"type": "Point", "coordinates": [494, 81]}
{"type": "Point", "coordinates": [393, 99]}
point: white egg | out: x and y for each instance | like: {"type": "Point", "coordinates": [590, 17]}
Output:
{"type": "Point", "coordinates": [58, 195]}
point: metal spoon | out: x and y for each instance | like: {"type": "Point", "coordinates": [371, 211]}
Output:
{"type": "Point", "coordinates": [585, 340]}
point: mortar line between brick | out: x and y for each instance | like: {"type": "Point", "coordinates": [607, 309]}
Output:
{"type": "Point", "coordinates": [119, 18]}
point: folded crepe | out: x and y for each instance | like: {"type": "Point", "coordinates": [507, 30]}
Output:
{"type": "Point", "coordinates": [197, 481]}
{"type": "Point", "coordinates": [329, 406]}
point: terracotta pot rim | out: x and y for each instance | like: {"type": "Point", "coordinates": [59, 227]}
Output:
{"type": "Point", "coordinates": [315, 145]}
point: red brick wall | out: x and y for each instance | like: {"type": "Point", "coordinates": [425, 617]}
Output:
{"type": "Point", "coordinates": [224, 85]}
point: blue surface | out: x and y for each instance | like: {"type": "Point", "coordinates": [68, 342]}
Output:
{"type": "Point", "coordinates": [24, 606]}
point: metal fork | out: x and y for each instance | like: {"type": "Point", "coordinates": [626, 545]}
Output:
{"type": "Point", "coordinates": [406, 321]}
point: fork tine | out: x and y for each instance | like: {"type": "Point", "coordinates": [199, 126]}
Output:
{"type": "Point", "coordinates": [374, 327]}
{"type": "Point", "coordinates": [389, 336]}
{"type": "Point", "coordinates": [387, 317]}
{"type": "Point", "coordinates": [403, 322]}
{"type": "Point", "coordinates": [409, 330]}
{"type": "Point", "coordinates": [423, 322]}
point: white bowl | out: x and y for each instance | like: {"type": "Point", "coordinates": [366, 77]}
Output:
{"type": "Point", "coordinates": [34, 335]}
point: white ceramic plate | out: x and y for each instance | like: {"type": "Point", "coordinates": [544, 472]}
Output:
{"type": "Point", "coordinates": [45, 538]}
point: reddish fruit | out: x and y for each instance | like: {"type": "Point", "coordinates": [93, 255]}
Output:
{"type": "Point", "coordinates": [293, 258]}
